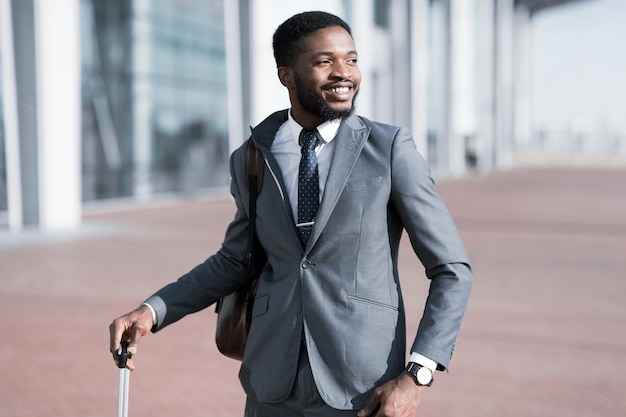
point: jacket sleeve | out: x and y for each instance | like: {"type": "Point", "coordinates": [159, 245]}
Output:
{"type": "Point", "coordinates": [436, 242]}
{"type": "Point", "coordinates": [219, 275]}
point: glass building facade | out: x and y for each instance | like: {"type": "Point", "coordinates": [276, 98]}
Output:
{"type": "Point", "coordinates": [142, 98]}
{"type": "Point", "coordinates": [153, 97]}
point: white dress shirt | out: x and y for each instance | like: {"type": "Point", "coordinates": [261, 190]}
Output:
{"type": "Point", "coordinates": [286, 151]}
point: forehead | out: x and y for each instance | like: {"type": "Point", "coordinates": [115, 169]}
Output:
{"type": "Point", "coordinates": [330, 40]}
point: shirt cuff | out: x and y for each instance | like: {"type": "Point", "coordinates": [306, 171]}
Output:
{"type": "Point", "coordinates": [424, 361]}
{"type": "Point", "coordinates": [154, 315]}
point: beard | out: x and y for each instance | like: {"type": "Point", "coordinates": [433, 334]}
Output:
{"type": "Point", "coordinates": [314, 103]}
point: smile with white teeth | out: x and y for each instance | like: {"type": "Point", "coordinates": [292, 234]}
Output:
{"type": "Point", "coordinates": [339, 90]}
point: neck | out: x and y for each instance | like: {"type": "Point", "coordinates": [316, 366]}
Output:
{"type": "Point", "coordinates": [307, 120]}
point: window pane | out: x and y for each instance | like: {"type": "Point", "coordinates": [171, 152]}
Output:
{"type": "Point", "coordinates": [154, 97]}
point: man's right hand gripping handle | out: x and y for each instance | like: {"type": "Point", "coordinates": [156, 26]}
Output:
{"type": "Point", "coordinates": [130, 327]}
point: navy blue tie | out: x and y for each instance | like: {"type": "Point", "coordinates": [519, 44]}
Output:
{"type": "Point", "coordinates": [308, 186]}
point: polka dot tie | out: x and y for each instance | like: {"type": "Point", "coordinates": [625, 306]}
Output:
{"type": "Point", "coordinates": [308, 186]}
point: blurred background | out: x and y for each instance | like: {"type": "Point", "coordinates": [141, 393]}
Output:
{"type": "Point", "coordinates": [105, 100]}
{"type": "Point", "coordinates": [117, 119]}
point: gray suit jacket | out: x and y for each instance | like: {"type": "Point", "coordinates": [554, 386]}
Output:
{"type": "Point", "coordinates": [342, 293]}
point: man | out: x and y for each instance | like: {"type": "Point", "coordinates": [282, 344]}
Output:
{"type": "Point", "coordinates": [328, 330]}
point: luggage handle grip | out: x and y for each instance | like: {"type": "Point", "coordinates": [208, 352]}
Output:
{"type": "Point", "coordinates": [123, 355]}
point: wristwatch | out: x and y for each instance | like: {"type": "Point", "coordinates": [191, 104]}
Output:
{"type": "Point", "coordinates": [423, 376]}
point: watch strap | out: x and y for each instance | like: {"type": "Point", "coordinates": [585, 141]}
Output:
{"type": "Point", "coordinates": [413, 368]}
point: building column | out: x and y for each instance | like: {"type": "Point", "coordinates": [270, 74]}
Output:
{"type": "Point", "coordinates": [485, 85]}
{"type": "Point", "coordinates": [399, 74]}
{"type": "Point", "coordinates": [462, 70]}
{"type": "Point", "coordinates": [237, 106]}
{"type": "Point", "coordinates": [23, 17]}
{"type": "Point", "coordinates": [58, 112]}
{"type": "Point", "coordinates": [523, 78]}
{"type": "Point", "coordinates": [142, 98]}
{"type": "Point", "coordinates": [504, 106]}
{"type": "Point", "coordinates": [440, 105]}
{"type": "Point", "coordinates": [47, 81]}
{"type": "Point", "coordinates": [10, 119]}
{"type": "Point", "coordinates": [363, 30]}
{"type": "Point", "coordinates": [418, 11]}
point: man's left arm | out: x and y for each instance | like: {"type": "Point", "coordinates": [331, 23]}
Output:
{"type": "Point", "coordinates": [436, 242]}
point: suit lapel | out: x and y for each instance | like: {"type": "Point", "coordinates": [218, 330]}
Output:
{"type": "Point", "coordinates": [263, 136]}
{"type": "Point", "coordinates": [350, 139]}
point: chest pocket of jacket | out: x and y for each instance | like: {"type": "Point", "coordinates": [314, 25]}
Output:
{"type": "Point", "coordinates": [364, 185]}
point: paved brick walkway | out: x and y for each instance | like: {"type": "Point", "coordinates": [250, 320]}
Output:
{"type": "Point", "coordinates": [545, 333]}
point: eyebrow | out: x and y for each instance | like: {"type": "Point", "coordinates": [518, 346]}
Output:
{"type": "Point", "coordinates": [328, 53]}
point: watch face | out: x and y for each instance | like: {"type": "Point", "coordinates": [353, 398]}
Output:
{"type": "Point", "coordinates": [424, 376]}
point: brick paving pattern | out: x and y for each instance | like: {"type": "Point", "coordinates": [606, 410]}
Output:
{"type": "Point", "coordinates": [545, 332]}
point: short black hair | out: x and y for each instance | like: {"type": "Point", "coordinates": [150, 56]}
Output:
{"type": "Point", "coordinates": [289, 36]}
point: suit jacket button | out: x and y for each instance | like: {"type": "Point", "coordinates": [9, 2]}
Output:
{"type": "Point", "coordinates": [306, 264]}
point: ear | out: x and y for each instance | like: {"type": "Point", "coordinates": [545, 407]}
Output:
{"type": "Point", "coordinates": [285, 75]}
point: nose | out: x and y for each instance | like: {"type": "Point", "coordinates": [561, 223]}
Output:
{"type": "Point", "coordinates": [341, 70]}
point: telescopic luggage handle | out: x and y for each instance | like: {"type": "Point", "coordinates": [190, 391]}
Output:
{"type": "Point", "coordinates": [123, 356]}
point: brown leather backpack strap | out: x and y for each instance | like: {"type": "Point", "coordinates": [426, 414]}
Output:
{"type": "Point", "coordinates": [254, 165]}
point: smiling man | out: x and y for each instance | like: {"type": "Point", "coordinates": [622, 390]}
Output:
{"type": "Point", "coordinates": [324, 79]}
{"type": "Point", "coordinates": [328, 333]}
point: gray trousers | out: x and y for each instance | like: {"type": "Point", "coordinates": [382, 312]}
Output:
{"type": "Point", "coordinates": [304, 400]}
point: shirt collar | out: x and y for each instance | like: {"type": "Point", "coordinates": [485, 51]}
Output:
{"type": "Point", "coordinates": [327, 130]}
